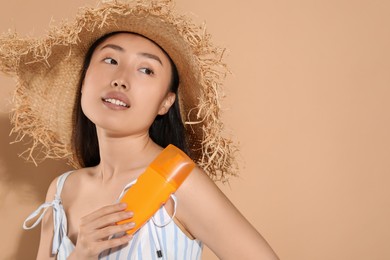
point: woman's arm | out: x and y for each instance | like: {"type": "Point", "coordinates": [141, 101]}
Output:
{"type": "Point", "coordinates": [208, 215]}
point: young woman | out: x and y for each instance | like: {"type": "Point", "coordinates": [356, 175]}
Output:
{"type": "Point", "coordinates": [135, 79]}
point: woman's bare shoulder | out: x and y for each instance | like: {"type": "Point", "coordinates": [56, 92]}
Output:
{"type": "Point", "coordinates": [75, 181]}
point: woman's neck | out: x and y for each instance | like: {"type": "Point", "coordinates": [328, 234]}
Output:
{"type": "Point", "coordinates": [128, 155]}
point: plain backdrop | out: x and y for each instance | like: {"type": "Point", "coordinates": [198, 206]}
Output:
{"type": "Point", "coordinates": [308, 101]}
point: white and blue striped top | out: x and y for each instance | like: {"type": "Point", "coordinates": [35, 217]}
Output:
{"type": "Point", "coordinates": [160, 238]}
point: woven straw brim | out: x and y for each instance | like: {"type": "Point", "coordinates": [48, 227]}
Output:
{"type": "Point", "coordinates": [48, 73]}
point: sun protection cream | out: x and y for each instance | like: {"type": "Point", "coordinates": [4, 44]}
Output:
{"type": "Point", "coordinates": [154, 187]}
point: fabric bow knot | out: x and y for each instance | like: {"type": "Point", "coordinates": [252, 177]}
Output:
{"type": "Point", "coordinates": [59, 230]}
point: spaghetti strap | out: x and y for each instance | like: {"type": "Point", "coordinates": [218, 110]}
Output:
{"type": "Point", "coordinates": [58, 215]}
{"type": "Point", "coordinates": [60, 183]}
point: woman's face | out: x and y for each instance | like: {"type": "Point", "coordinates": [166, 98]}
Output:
{"type": "Point", "coordinates": [126, 85]}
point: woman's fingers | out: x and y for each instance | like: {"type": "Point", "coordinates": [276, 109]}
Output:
{"type": "Point", "coordinates": [97, 230]}
{"type": "Point", "coordinates": [104, 211]}
{"type": "Point", "coordinates": [102, 222]}
{"type": "Point", "coordinates": [107, 232]}
{"type": "Point", "coordinates": [108, 219]}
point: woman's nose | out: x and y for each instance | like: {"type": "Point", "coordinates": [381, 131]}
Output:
{"type": "Point", "coordinates": [119, 83]}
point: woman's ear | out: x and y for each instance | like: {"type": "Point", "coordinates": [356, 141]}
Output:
{"type": "Point", "coordinates": [167, 103]}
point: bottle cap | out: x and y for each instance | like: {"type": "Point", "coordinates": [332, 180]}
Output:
{"type": "Point", "coordinates": [173, 164]}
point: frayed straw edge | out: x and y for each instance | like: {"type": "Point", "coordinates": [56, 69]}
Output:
{"type": "Point", "coordinates": [43, 144]}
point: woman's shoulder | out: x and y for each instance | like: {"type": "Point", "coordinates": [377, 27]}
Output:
{"type": "Point", "coordinates": [55, 186]}
{"type": "Point", "coordinates": [198, 180]}
{"type": "Point", "coordinates": [197, 188]}
{"type": "Point", "coordinates": [76, 179]}
{"type": "Point", "coordinates": [77, 175]}
{"type": "Point", "coordinates": [63, 183]}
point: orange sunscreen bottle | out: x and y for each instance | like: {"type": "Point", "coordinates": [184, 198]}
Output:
{"type": "Point", "coordinates": [153, 187]}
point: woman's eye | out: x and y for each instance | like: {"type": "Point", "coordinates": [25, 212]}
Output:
{"type": "Point", "coordinates": [147, 71]}
{"type": "Point", "coordinates": [110, 61]}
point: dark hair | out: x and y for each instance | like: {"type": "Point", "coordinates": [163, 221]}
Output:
{"type": "Point", "coordinates": [166, 129]}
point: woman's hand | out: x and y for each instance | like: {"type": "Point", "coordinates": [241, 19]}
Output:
{"type": "Point", "coordinates": [96, 229]}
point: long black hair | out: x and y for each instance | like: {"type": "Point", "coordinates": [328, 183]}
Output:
{"type": "Point", "coordinates": [166, 129]}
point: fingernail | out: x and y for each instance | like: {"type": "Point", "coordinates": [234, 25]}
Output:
{"type": "Point", "coordinates": [130, 225]}
{"type": "Point", "coordinates": [123, 205]}
{"type": "Point", "coordinates": [129, 214]}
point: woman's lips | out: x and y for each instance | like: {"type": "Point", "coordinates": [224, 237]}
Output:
{"type": "Point", "coordinates": [116, 100]}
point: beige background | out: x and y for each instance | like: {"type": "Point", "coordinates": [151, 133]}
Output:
{"type": "Point", "coordinates": [309, 103]}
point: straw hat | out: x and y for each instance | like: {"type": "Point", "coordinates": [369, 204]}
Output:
{"type": "Point", "coordinates": [47, 71]}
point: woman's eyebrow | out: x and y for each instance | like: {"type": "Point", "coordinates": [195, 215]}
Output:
{"type": "Point", "coordinates": [143, 54]}
{"type": "Point", "coordinates": [150, 56]}
{"type": "Point", "coordinates": [113, 46]}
